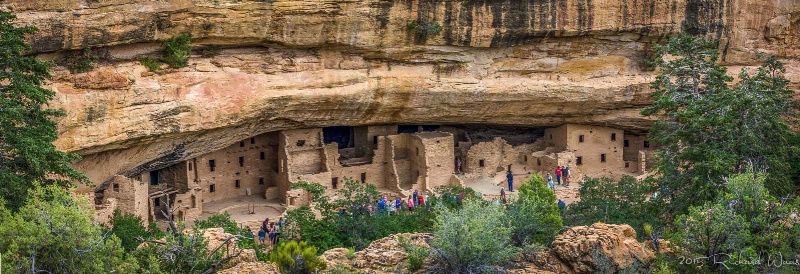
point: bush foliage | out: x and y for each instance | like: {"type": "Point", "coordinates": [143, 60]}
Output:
{"type": "Point", "coordinates": [296, 258]}
{"type": "Point", "coordinates": [177, 50]}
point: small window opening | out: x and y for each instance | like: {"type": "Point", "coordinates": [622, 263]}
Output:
{"type": "Point", "coordinates": [627, 164]}
{"type": "Point", "coordinates": [116, 187]}
{"type": "Point", "coordinates": [212, 188]}
{"type": "Point", "coordinates": [538, 162]}
{"type": "Point", "coordinates": [626, 143]}
{"type": "Point", "coordinates": [375, 140]}
{"type": "Point", "coordinates": [241, 144]}
{"type": "Point", "coordinates": [526, 158]}
{"type": "Point", "coordinates": [603, 158]}
{"type": "Point", "coordinates": [580, 139]}
{"type": "Point", "coordinates": [301, 143]}
{"type": "Point", "coordinates": [241, 161]}
{"type": "Point", "coordinates": [579, 160]}
{"type": "Point", "coordinates": [335, 182]}
{"type": "Point", "coordinates": [157, 202]}
{"type": "Point", "coordinates": [260, 181]}
{"type": "Point", "coordinates": [212, 165]}
{"type": "Point", "coordinates": [646, 144]}
{"type": "Point", "coordinates": [252, 140]}
{"type": "Point", "coordinates": [417, 151]}
{"type": "Point", "coordinates": [613, 136]}
{"type": "Point", "coordinates": [261, 156]}
{"type": "Point", "coordinates": [480, 163]}
{"type": "Point", "coordinates": [363, 177]}
{"type": "Point", "coordinates": [154, 177]}
{"type": "Point", "coordinates": [551, 136]}
{"type": "Point", "coordinates": [238, 183]}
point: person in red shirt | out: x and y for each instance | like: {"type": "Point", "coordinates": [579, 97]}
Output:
{"type": "Point", "coordinates": [558, 175]}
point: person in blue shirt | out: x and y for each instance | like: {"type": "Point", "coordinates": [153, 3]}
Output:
{"type": "Point", "coordinates": [510, 178]}
{"type": "Point", "coordinates": [561, 205]}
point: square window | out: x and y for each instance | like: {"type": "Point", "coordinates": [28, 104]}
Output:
{"type": "Point", "coordinates": [116, 187]}
{"type": "Point", "coordinates": [212, 165]}
{"type": "Point", "coordinates": [480, 163]}
{"type": "Point", "coordinates": [646, 143]}
{"type": "Point", "coordinates": [262, 156]}
{"type": "Point", "coordinates": [238, 184]}
{"type": "Point", "coordinates": [212, 188]}
{"type": "Point", "coordinates": [625, 143]}
{"type": "Point", "coordinates": [603, 158]}
{"type": "Point", "coordinates": [580, 139]}
{"type": "Point", "coordinates": [579, 160]}
{"type": "Point", "coordinates": [613, 136]}
{"type": "Point", "coordinates": [627, 164]}
{"type": "Point", "coordinates": [260, 181]}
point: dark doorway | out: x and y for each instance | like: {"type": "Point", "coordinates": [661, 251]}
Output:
{"type": "Point", "coordinates": [340, 134]}
{"type": "Point", "coordinates": [154, 177]}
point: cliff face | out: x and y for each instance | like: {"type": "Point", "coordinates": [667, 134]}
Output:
{"type": "Point", "coordinates": [293, 64]}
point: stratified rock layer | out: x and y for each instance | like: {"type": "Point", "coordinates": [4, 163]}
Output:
{"type": "Point", "coordinates": [293, 64]}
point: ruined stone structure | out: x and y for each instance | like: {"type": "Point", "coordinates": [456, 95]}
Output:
{"type": "Point", "coordinates": [264, 167]}
{"type": "Point", "coordinates": [285, 69]}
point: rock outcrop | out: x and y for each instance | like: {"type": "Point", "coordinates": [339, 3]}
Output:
{"type": "Point", "coordinates": [596, 248]}
{"type": "Point", "coordinates": [245, 263]}
{"type": "Point", "coordinates": [291, 64]}
{"type": "Point", "coordinates": [386, 255]}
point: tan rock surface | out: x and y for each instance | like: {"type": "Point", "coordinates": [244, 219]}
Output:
{"type": "Point", "coordinates": [294, 64]}
{"type": "Point", "coordinates": [578, 249]}
{"type": "Point", "coordinates": [386, 255]}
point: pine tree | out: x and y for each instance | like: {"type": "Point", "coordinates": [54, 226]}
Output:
{"type": "Point", "coordinates": [708, 130]}
{"type": "Point", "coordinates": [27, 129]}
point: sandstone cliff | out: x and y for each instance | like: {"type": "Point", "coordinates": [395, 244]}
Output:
{"type": "Point", "coordinates": [292, 64]}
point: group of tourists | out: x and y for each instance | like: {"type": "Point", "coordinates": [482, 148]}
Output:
{"type": "Point", "coordinates": [415, 200]}
{"type": "Point", "coordinates": [560, 172]}
{"type": "Point", "coordinates": [273, 230]}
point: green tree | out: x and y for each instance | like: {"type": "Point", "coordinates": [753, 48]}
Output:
{"type": "Point", "coordinates": [296, 258]}
{"type": "Point", "coordinates": [474, 238]}
{"type": "Point", "coordinates": [746, 224]}
{"type": "Point", "coordinates": [128, 228]}
{"type": "Point", "coordinates": [534, 215]}
{"type": "Point", "coordinates": [55, 233]}
{"type": "Point", "coordinates": [623, 202]}
{"type": "Point", "coordinates": [27, 129]}
{"type": "Point", "coordinates": [708, 130]}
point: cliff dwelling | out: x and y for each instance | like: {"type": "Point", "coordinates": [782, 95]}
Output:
{"type": "Point", "coordinates": [252, 178]}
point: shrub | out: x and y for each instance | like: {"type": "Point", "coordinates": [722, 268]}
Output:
{"type": "Point", "coordinates": [294, 257]}
{"type": "Point", "coordinates": [475, 238]}
{"type": "Point", "coordinates": [535, 216]}
{"type": "Point", "coordinates": [623, 202]}
{"type": "Point", "coordinates": [55, 233]}
{"type": "Point", "coordinates": [150, 63]}
{"type": "Point", "coordinates": [177, 50]}
{"type": "Point", "coordinates": [81, 61]}
{"type": "Point", "coordinates": [425, 29]}
{"type": "Point", "coordinates": [415, 254]}
{"type": "Point", "coordinates": [356, 227]}
{"type": "Point", "coordinates": [128, 227]}
{"type": "Point", "coordinates": [746, 225]}
{"type": "Point", "coordinates": [178, 253]}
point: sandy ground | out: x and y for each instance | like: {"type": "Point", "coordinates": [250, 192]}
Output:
{"type": "Point", "coordinates": [246, 211]}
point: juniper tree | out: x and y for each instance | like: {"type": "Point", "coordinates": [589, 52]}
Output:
{"type": "Point", "coordinates": [708, 129]}
{"type": "Point", "coordinates": [27, 129]}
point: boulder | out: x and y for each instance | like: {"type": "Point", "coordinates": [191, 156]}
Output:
{"type": "Point", "coordinates": [598, 248]}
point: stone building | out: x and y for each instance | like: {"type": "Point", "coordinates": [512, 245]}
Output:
{"type": "Point", "coordinates": [258, 172]}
